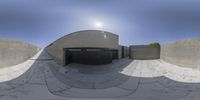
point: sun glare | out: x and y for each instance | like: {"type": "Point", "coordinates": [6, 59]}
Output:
{"type": "Point", "coordinates": [98, 24]}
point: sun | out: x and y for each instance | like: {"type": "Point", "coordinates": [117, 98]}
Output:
{"type": "Point", "coordinates": [98, 24]}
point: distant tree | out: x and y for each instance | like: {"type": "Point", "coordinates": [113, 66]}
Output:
{"type": "Point", "coordinates": [155, 44]}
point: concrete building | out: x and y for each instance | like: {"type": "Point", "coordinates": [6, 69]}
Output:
{"type": "Point", "coordinates": [86, 47]}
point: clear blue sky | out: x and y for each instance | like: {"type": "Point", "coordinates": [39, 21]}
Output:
{"type": "Point", "coordinates": [41, 22]}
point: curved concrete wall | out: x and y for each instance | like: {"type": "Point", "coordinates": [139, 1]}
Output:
{"type": "Point", "coordinates": [15, 52]}
{"type": "Point", "coordinates": [184, 53]}
{"type": "Point", "coordinates": [82, 39]}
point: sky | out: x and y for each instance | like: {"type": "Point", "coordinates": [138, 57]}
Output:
{"type": "Point", "coordinates": [41, 22]}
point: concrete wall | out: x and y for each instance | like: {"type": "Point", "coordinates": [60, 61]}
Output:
{"type": "Point", "coordinates": [143, 52]}
{"type": "Point", "coordinates": [125, 51]}
{"type": "Point", "coordinates": [15, 52]}
{"type": "Point", "coordinates": [82, 39]}
{"type": "Point", "coordinates": [184, 53]}
{"type": "Point", "coordinates": [119, 52]}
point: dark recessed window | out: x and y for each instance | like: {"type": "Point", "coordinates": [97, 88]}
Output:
{"type": "Point", "coordinates": [74, 49]}
{"type": "Point", "coordinates": [93, 49]}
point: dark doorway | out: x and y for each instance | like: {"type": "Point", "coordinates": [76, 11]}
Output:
{"type": "Point", "coordinates": [90, 56]}
{"type": "Point", "coordinates": [123, 52]}
{"type": "Point", "coordinates": [68, 57]}
{"type": "Point", "coordinates": [114, 54]}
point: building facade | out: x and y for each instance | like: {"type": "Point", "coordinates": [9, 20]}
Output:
{"type": "Point", "coordinates": [85, 47]}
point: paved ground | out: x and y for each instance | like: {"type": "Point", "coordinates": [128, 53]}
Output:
{"type": "Point", "coordinates": [40, 78]}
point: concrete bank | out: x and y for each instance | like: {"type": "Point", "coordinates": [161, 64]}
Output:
{"type": "Point", "coordinates": [15, 52]}
{"type": "Point", "coordinates": [185, 53]}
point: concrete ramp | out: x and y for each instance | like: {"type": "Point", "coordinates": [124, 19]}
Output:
{"type": "Point", "coordinates": [43, 79]}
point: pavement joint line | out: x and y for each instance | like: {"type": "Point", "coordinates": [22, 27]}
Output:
{"type": "Point", "coordinates": [125, 88]}
{"type": "Point", "coordinates": [133, 90]}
